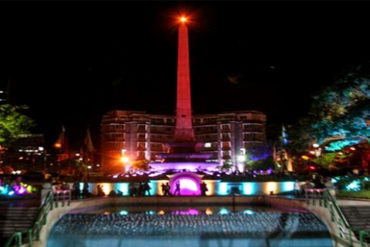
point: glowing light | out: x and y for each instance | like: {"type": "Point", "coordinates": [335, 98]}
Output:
{"type": "Point", "coordinates": [248, 188]}
{"type": "Point", "coordinates": [211, 184]}
{"type": "Point", "coordinates": [305, 157]}
{"type": "Point", "coordinates": [29, 189]}
{"type": "Point", "coordinates": [209, 211]}
{"type": "Point", "coordinates": [183, 19]}
{"type": "Point", "coordinates": [123, 212]}
{"type": "Point", "coordinates": [355, 185]}
{"type": "Point", "coordinates": [190, 211]}
{"type": "Point", "coordinates": [222, 188]}
{"type": "Point", "coordinates": [123, 188]}
{"type": "Point", "coordinates": [207, 145]}
{"type": "Point", "coordinates": [153, 186]}
{"type": "Point", "coordinates": [159, 190]}
{"type": "Point", "coordinates": [107, 188]}
{"type": "Point", "coordinates": [188, 185]}
{"type": "Point", "coordinates": [124, 159]}
{"type": "Point", "coordinates": [288, 186]}
{"type": "Point", "coordinates": [21, 190]}
{"type": "Point", "coordinates": [248, 211]}
{"type": "Point", "coordinates": [189, 166]}
{"type": "Point", "coordinates": [312, 168]}
{"type": "Point", "coordinates": [161, 212]}
{"type": "Point", "coordinates": [315, 145]}
{"type": "Point", "coordinates": [57, 145]}
{"type": "Point", "coordinates": [224, 211]}
{"type": "Point", "coordinates": [10, 193]}
{"type": "Point", "coordinates": [81, 186]}
{"type": "Point", "coordinates": [241, 158]}
{"type": "Point", "coordinates": [271, 187]}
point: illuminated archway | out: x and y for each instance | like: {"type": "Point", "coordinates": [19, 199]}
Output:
{"type": "Point", "coordinates": [189, 184]}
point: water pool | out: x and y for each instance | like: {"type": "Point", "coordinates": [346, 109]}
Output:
{"type": "Point", "coordinates": [193, 227]}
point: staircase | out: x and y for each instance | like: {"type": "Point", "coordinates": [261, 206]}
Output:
{"type": "Point", "coordinates": [14, 218]}
{"type": "Point", "coordinates": [358, 217]}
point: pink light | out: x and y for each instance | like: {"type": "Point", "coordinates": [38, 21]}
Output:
{"type": "Point", "coordinates": [188, 186]}
{"type": "Point", "coordinates": [189, 166]}
{"type": "Point", "coordinates": [190, 211]}
{"type": "Point", "coordinates": [21, 190]}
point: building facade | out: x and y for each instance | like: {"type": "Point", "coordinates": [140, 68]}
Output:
{"type": "Point", "coordinates": [3, 96]}
{"type": "Point", "coordinates": [142, 136]}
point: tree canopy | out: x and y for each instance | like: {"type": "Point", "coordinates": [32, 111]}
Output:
{"type": "Point", "coordinates": [13, 123]}
{"type": "Point", "coordinates": [338, 115]}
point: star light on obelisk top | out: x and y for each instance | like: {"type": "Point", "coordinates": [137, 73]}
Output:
{"type": "Point", "coordinates": [184, 126]}
{"type": "Point", "coordinates": [183, 19]}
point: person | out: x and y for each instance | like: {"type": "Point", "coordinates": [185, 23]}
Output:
{"type": "Point", "coordinates": [140, 191]}
{"type": "Point", "coordinates": [163, 186]}
{"type": "Point", "coordinates": [177, 190]}
{"type": "Point", "coordinates": [75, 189]}
{"type": "Point", "coordinates": [100, 190]}
{"type": "Point", "coordinates": [85, 190]}
{"type": "Point", "coordinates": [147, 188]}
{"type": "Point", "coordinates": [330, 186]}
{"type": "Point", "coordinates": [168, 189]}
{"type": "Point", "coordinates": [317, 180]}
{"type": "Point", "coordinates": [203, 188]}
{"type": "Point", "coordinates": [132, 189]}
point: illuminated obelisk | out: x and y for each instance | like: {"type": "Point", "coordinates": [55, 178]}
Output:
{"type": "Point", "coordinates": [182, 154]}
{"type": "Point", "coordinates": [184, 127]}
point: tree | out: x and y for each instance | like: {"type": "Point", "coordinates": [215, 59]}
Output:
{"type": "Point", "coordinates": [13, 123]}
{"type": "Point", "coordinates": [338, 115]}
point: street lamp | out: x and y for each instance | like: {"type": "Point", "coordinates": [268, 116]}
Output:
{"type": "Point", "coordinates": [126, 162]}
{"type": "Point", "coordinates": [125, 159]}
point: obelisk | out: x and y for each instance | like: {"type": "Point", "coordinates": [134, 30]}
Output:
{"type": "Point", "coordinates": [184, 127]}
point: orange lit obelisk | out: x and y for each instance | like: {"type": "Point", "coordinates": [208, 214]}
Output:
{"type": "Point", "coordinates": [184, 127]}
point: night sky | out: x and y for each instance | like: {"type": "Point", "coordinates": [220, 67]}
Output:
{"type": "Point", "coordinates": [72, 62]}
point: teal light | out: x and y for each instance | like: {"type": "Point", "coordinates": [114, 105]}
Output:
{"type": "Point", "coordinates": [123, 188]}
{"type": "Point", "coordinates": [249, 188]}
{"type": "Point", "coordinates": [123, 212]}
{"type": "Point", "coordinates": [339, 145]}
{"type": "Point", "coordinates": [2, 190]}
{"type": "Point", "coordinates": [288, 186]}
{"type": "Point", "coordinates": [222, 188]}
{"type": "Point", "coordinates": [10, 193]}
{"type": "Point", "coordinates": [81, 186]}
{"type": "Point", "coordinates": [150, 212]}
{"type": "Point", "coordinates": [224, 211]}
{"type": "Point", "coordinates": [153, 187]}
{"type": "Point", "coordinates": [355, 185]}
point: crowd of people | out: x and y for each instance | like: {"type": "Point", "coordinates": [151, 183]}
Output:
{"type": "Point", "coordinates": [139, 189]}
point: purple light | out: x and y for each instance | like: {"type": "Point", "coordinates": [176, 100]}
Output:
{"type": "Point", "coordinates": [189, 184]}
{"type": "Point", "coordinates": [189, 166]}
{"type": "Point", "coordinates": [190, 211]}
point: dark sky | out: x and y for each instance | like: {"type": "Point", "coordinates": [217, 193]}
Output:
{"type": "Point", "coordinates": [72, 62]}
